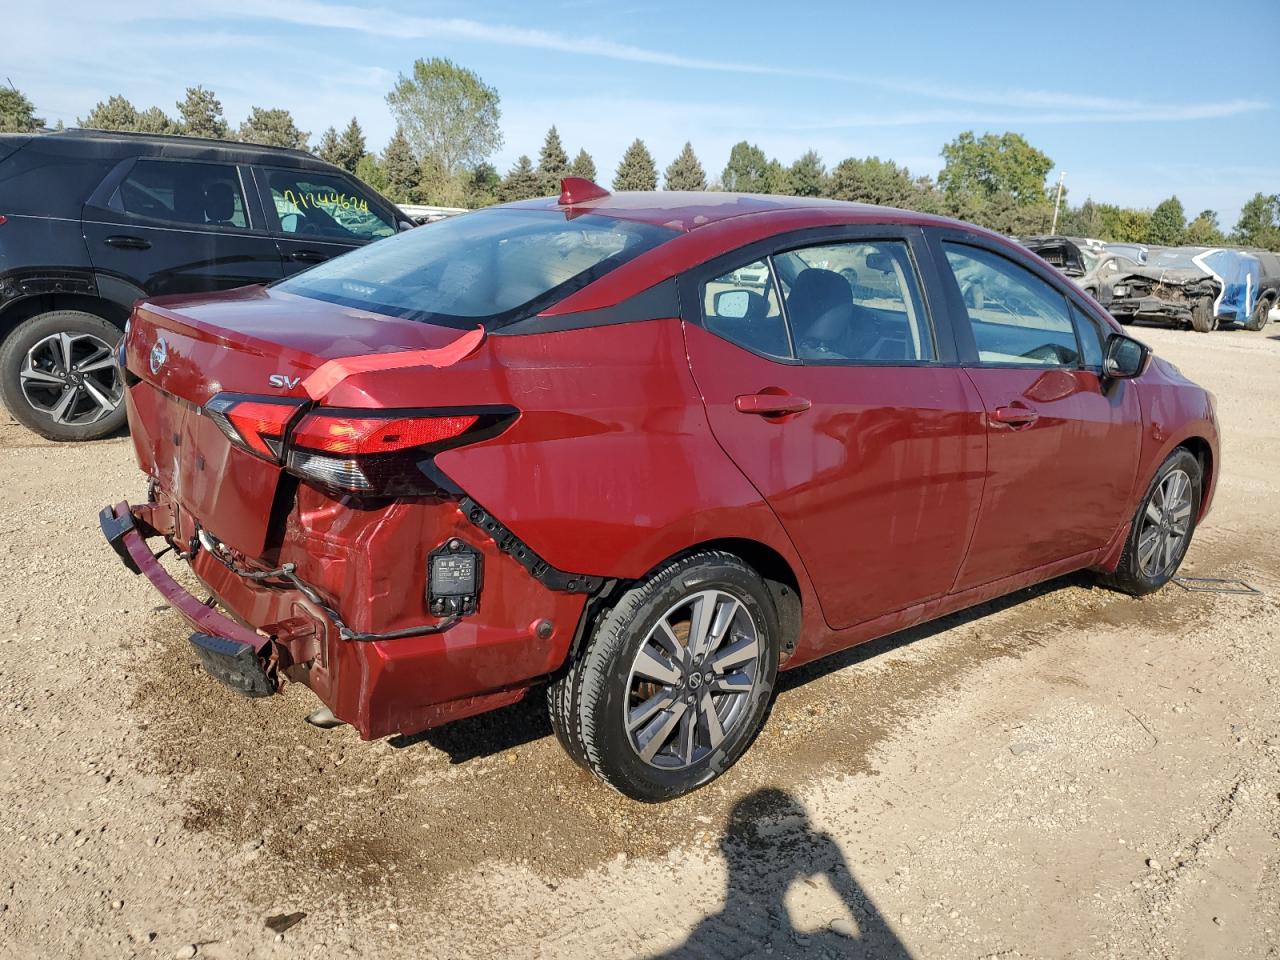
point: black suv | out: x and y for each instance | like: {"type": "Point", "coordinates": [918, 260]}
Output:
{"type": "Point", "coordinates": [91, 221]}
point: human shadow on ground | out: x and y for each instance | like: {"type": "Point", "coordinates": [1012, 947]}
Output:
{"type": "Point", "coordinates": [768, 846]}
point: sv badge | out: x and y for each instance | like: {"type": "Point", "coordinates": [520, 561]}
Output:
{"type": "Point", "coordinates": [283, 382]}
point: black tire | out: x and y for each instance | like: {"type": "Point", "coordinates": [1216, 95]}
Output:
{"type": "Point", "coordinates": [589, 703]}
{"type": "Point", "coordinates": [1202, 317]}
{"type": "Point", "coordinates": [86, 329]}
{"type": "Point", "coordinates": [1258, 319]}
{"type": "Point", "coordinates": [1131, 576]}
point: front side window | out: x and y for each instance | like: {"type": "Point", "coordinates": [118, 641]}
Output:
{"type": "Point", "coordinates": [325, 207]}
{"type": "Point", "coordinates": [855, 302]}
{"type": "Point", "coordinates": [1092, 338]}
{"type": "Point", "coordinates": [487, 267]}
{"type": "Point", "coordinates": [742, 306]}
{"type": "Point", "coordinates": [1017, 319]}
{"type": "Point", "coordinates": [173, 191]}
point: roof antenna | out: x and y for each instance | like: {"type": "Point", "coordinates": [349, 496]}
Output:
{"type": "Point", "coordinates": [579, 190]}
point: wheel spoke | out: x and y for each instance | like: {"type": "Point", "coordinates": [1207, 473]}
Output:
{"type": "Point", "coordinates": [65, 341]}
{"type": "Point", "coordinates": [666, 638]}
{"type": "Point", "coordinates": [94, 364]}
{"type": "Point", "coordinates": [731, 683]}
{"type": "Point", "coordinates": [64, 404]}
{"type": "Point", "coordinates": [726, 610]}
{"type": "Point", "coordinates": [665, 727]}
{"type": "Point", "coordinates": [1153, 512]}
{"type": "Point", "coordinates": [743, 651]}
{"type": "Point", "coordinates": [1147, 547]}
{"type": "Point", "coordinates": [30, 372]}
{"type": "Point", "coordinates": [649, 665]}
{"type": "Point", "coordinates": [688, 734]}
{"type": "Point", "coordinates": [703, 608]}
{"type": "Point", "coordinates": [100, 398]}
{"type": "Point", "coordinates": [642, 714]}
{"type": "Point", "coordinates": [715, 732]}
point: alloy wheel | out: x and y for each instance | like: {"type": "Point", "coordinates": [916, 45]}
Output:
{"type": "Point", "coordinates": [691, 681]}
{"type": "Point", "coordinates": [1166, 523]}
{"type": "Point", "coordinates": [72, 378]}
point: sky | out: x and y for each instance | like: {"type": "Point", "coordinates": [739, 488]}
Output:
{"type": "Point", "coordinates": [1133, 102]}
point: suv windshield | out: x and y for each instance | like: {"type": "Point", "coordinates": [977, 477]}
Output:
{"type": "Point", "coordinates": [487, 267]}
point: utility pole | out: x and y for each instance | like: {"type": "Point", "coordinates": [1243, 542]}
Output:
{"type": "Point", "coordinates": [1057, 203]}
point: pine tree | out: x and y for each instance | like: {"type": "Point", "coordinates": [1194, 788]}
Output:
{"type": "Point", "coordinates": [807, 176]}
{"type": "Point", "coordinates": [370, 171]}
{"type": "Point", "coordinates": [114, 113]}
{"type": "Point", "coordinates": [637, 170]}
{"type": "Point", "coordinates": [327, 148]}
{"type": "Point", "coordinates": [351, 146]}
{"type": "Point", "coordinates": [399, 167]}
{"type": "Point", "coordinates": [553, 162]}
{"type": "Point", "coordinates": [521, 183]}
{"type": "Point", "coordinates": [1168, 223]}
{"type": "Point", "coordinates": [273, 128]}
{"type": "Point", "coordinates": [583, 166]}
{"type": "Point", "coordinates": [483, 186]}
{"type": "Point", "coordinates": [200, 114]}
{"type": "Point", "coordinates": [17, 113]}
{"type": "Point", "coordinates": [685, 172]}
{"type": "Point", "coordinates": [155, 120]}
{"type": "Point", "coordinates": [748, 170]}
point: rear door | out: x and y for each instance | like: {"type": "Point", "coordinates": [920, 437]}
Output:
{"type": "Point", "coordinates": [315, 215]}
{"type": "Point", "coordinates": [178, 226]}
{"type": "Point", "coordinates": [824, 381]}
{"type": "Point", "coordinates": [1063, 443]}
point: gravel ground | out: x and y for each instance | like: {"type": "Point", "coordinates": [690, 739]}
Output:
{"type": "Point", "coordinates": [1067, 772]}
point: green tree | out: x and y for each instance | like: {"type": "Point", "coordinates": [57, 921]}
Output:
{"type": "Point", "coordinates": [17, 113]}
{"type": "Point", "coordinates": [1168, 226]}
{"type": "Point", "coordinates": [1124, 224]}
{"type": "Point", "coordinates": [483, 186]}
{"type": "Point", "coordinates": [748, 170]}
{"type": "Point", "coordinates": [155, 120]}
{"type": "Point", "coordinates": [521, 182]}
{"type": "Point", "coordinates": [553, 162]}
{"type": "Point", "coordinates": [200, 114]}
{"type": "Point", "coordinates": [583, 166]}
{"type": "Point", "coordinates": [114, 113]}
{"type": "Point", "coordinates": [370, 171]}
{"type": "Point", "coordinates": [327, 148]}
{"type": "Point", "coordinates": [872, 180]}
{"type": "Point", "coordinates": [807, 177]}
{"type": "Point", "coordinates": [1259, 223]}
{"type": "Point", "coordinates": [685, 172]}
{"type": "Point", "coordinates": [1082, 221]}
{"type": "Point", "coordinates": [351, 146]}
{"type": "Point", "coordinates": [272, 128]}
{"type": "Point", "coordinates": [399, 167]}
{"type": "Point", "coordinates": [1205, 231]}
{"type": "Point", "coordinates": [994, 166]}
{"type": "Point", "coordinates": [450, 116]}
{"type": "Point", "coordinates": [637, 170]}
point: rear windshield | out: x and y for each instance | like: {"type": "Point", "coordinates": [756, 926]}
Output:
{"type": "Point", "coordinates": [487, 267]}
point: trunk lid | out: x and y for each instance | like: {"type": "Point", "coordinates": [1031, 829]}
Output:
{"type": "Point", "coordinates": [186, 350]}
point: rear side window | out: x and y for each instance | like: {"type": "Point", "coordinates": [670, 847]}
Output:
{"type": "Point", "coordinates": [199, 194]}
{"type": "Point", "coordinates": [742, 306]}
{"type": "Point", "coordinates": [1017, 319]}
{"type": "Point", "coordinates": [319, 205]}
{"type": "Point", "coordinates": [489, 267]}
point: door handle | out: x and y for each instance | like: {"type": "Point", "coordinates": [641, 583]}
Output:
{"type": "Point", "coordinates": [128, 243]}
{"type": "Point", "coordinates": [308, 256]}
{"type": "Point", "coordinates": [1014, 415]}
{"type": "Point", "coordinates": [771, 404]}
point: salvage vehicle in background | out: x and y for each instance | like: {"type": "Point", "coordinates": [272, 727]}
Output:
{"type": "Point", "coordinates": [1091, 264]}
{"type": "Point", "coordinates": [574, 440]}
{"type": "Point", "coordinates": [92, 221]}
{"type": "Point", "coordinates": [1196, 286]}
{"type": "Point", "coordinates": [1268, 296]}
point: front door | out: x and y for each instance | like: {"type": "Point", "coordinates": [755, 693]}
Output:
{"type": "Point", "coordinates": [1063, 444]}
{"type": "Point", "coordinates": [823, 381]}
{"type": "Point", "coordinates": [179, 226]}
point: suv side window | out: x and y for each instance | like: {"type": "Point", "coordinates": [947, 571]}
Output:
{"type": "Point", "coordinates": [742, 306]}
{"type": "Point", "coordinates": [1017, 319]}
{"type": "Point", "coordinates": [325, 206]}
{"type": "Point", "coordinates": [856, 301]}
{"type": "Point", "coordinates": [178, 191]}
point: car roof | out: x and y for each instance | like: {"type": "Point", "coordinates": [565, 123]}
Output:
{"type": "Point", "coordinates": [121, 143]}
{"type": "Point", "coordinates": [687, 211]}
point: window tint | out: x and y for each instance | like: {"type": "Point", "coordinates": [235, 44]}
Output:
{"type": "Point", "coordinates": [855, 301]}
{"type": "Point", "coordinates": [1016, 317]}
{"type": "Point", "coordinates": [1092, 338]}
{"type": "Point", "coordinates": [325, 206]}
{"type": "Point", "coordinates": [491, 265]}
{"type": "Point", "coordinates": [204, 194]}
{"type": "Point", "coordinates": [742, 307]}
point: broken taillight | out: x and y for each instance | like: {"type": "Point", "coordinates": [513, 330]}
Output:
{"type": "Point", "coordinates": [255, 424]}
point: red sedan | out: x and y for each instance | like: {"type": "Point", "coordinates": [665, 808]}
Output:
{"type": "Point", "coordinates": [649, 447]}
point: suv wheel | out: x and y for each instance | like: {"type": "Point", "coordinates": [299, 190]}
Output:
{"type": "Point", "coordinates": [1261, 311]}
{"type": "Point", "coordinates": [1202, 316]}
{"type": "Point", "coordinates": [676, 680]}
{"type": "Point", "coordinates": [1162, 527]}
{"type": "Point", "coordinates": [58, 376]}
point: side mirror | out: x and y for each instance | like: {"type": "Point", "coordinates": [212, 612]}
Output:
{"type": "Point", "coordinates": [406, 225]}
{"type": "Point", "coordinates": [732, 304]}
{"type": "Point", "coordinates": [1125, 359]}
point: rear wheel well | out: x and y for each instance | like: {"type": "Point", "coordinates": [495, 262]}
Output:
{"type": "Point", "coordinates": [29, 307]}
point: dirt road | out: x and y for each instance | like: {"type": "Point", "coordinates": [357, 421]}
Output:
{"type": "Point", "coordinates": [1064, 773]}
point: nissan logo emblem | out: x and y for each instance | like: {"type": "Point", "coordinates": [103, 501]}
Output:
{"type": "Point", "coordinates": [159, 354]}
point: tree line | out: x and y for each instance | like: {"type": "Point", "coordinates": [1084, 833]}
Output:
{"type": "Point", "coordinates": [449, 124]}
